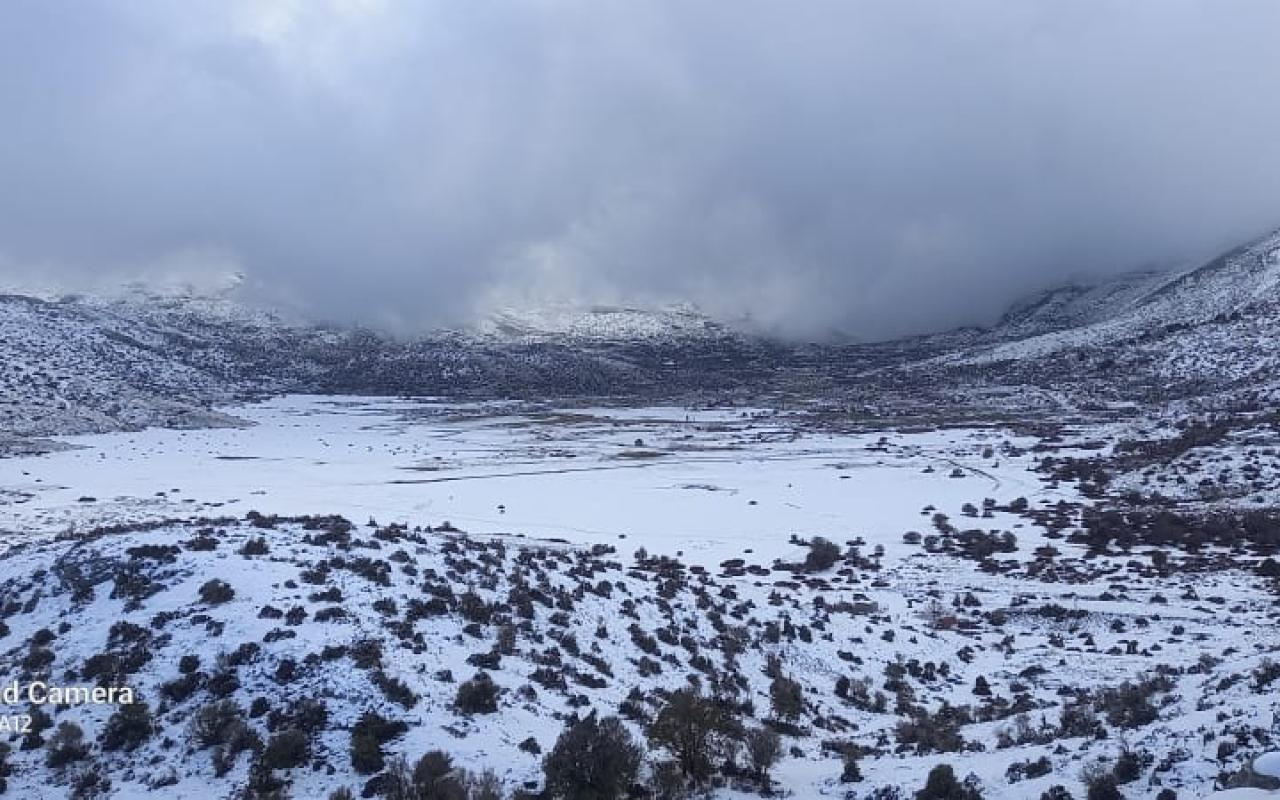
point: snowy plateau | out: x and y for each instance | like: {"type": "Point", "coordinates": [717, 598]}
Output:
{"type": "Point", "coordinates": [1036, 560]}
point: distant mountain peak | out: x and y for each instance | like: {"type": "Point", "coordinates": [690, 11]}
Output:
{"type": "Point", "coordinates": [604, 323]}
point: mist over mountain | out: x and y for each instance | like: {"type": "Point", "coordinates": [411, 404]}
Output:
{"type": "Point", "coordinates": [867, 168]}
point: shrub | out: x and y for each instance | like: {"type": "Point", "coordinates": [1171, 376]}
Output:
{"type": "Point", "coordinates": [368, 736]}
{"type": "Point", "coordinates": [1079, 720]}
{"type": "Point", "coordinates": [223, 683]}
{"type": "Point", "coordinates": [1019, 770]}
{"type": "Point", "coordinates": [1267, 673]}
{"type": "Point", "coordinates": [221, 725]}
{"type": "Point", "coordinates": [129, 727]}
{"type": "Point", "coordinates": [37, 658]}
{"type": "Point", "coordinates": [434, 778]}
{"type": "Point", "coordinates": [477, 696]}
{"type": "Point", "coordinates": [395, 689]}
{"type": "Point", "coordinates": [823, 555]}
{"type": "Point", "coordinates": [255, 547]}
{"type": "Point", "coordinates": [201, 543]}
{"type": "Point", "coordinates": [215, 591]}
{"type": "Point", "coordinates": [132, 584]}
{"type": "Point", "coordinates": [39, 723]}
{"type": "Point", "coordinates": [473, 608]}
{"type": "Point", "coordinates": [939, 732]}
{"type": "Point", "coordinates": [308, 715]}
{"type": "Point", "coordinates": [210, 724]}
{"type": "Point", "coordinates": [263, 784]}
{"type": "Point", "coordinates": [485, 786]}
{"type": "Point", "coordinates": [1129, 704]}
{"type": "Point", "coordinates": [89, 782]}
{"type": "Point", "coordinates": [669, 782]}
{"type": "Point", "coordinates": [366, 653]}
{"type": "Point", "coordinates": [330, 613]}
{"type": "Point", "coordinates": [943, 785]}
{"type": "Point", "coordinates": [366, 753]}
{"type": "Point", "coordinates": [1128, 766]}
{"type": "Point", "coordinates": [1103, 787]}
{"type": "Point", "coordinates": [286, 750]}
{"type": "Point", "coordinates": [593, 759]}
{"type": "Point", "coordinates": [66, 745]}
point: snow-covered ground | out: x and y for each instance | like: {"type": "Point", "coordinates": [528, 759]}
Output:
{"type": "Point", "coordinates": [710, 483]}
{"type": "Point", "coordinates": [535, 488]}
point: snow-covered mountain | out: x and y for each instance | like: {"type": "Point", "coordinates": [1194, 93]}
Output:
{"type": "Point", "coordinates": [79, 364]}
{"type": "Point", "coordinates": [1197, 330]}
{"type": "Point", "coordinates": [83, 364]}
{"type": "Point", "coordinates": [597, 324]}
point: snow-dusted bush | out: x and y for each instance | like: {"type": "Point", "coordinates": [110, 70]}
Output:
{"type": "Point", "coordinates": [477, 696]}
{"type": "Point", "coordinates": [216, 591]}
{"type": "Point", "coordinates": [594, 759]}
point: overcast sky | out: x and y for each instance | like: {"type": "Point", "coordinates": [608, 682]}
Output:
{"type": "Point", "coordinates": [876, 168]}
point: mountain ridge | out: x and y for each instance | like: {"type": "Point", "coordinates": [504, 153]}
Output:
{"type": "Point", "coordinates": [92, 363]}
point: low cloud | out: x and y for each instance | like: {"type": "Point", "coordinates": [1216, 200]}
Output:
{"type": "Point", "coordinates": [871, 168]}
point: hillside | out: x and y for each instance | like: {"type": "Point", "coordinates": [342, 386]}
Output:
{"type": "Point", "coordinates": [1201, 331]}
{"type": "Point", "coordinates": [262, 650]}
{"type": "Point", "coordinates": [85, 364]}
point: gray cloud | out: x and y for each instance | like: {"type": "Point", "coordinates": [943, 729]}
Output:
{"type": "Point", "coordinates": [871, 167]}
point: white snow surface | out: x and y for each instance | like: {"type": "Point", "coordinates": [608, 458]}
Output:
{"type": "Point", "coordinates": [706, 482]}
{"type": "Point", "coordinates": [709, 483]}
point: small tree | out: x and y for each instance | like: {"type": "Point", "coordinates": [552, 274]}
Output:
{"type": "Point", "coordinates": [851, 773]}
{"type": "Point", "coordinates": [763, 750]}
{"type": "Point", "coordinates": [695, 729]}
{"type": "Point", "coordinates": [594, 759]}
{"type": "Point", "coordinates": [435, 778]}
{"type": "Point", "coordinates": [787, 697]}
